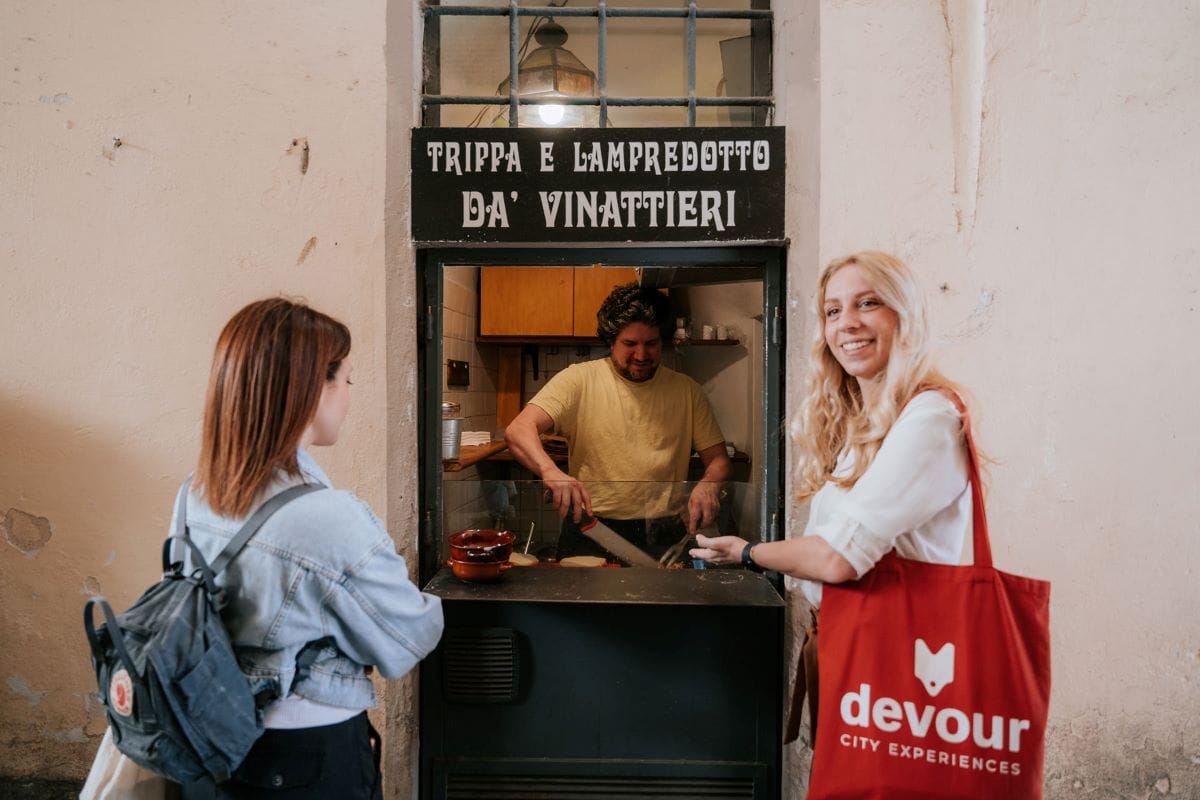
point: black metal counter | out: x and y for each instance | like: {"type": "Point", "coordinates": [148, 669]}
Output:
{"type": "Point", "coordinates": [617, 683]}
{"type": "Point", "coordinates": [554, 584]}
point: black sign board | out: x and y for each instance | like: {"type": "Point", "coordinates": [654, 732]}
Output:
{"type": "Point", "coordinates": [597, 185]}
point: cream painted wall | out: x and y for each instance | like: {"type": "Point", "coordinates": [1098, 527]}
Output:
{"type": "Point", "coordinates": [119, 266]}
{"type": "Point", "coordinates": [1037, 164]}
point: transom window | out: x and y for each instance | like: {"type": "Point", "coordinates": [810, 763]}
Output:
{"type": "Point", "coordinates": [603, 63]}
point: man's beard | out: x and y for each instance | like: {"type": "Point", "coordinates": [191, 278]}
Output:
{"type": "Point", "coordinates": [626, 373]}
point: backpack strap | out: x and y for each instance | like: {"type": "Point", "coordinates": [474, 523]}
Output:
{"type": "Point", "coordinates": [179, 524]}
{"type": "Point", "coordinates": [114, 629]}
{"type": "Point", "coordinates": [181, 508]}
{"type": "Point", "coordinates": [256, 521]}
{"type": "Point", "coordinates": [176, 569]}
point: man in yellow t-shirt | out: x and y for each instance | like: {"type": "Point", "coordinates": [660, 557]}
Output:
{"type": "Point", "coordinates": [631, 425]}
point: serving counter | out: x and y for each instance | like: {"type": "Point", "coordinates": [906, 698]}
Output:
{"type": "Point", "coordinates": [604, 682]}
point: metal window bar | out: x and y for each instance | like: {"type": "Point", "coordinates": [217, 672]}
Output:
{"type": "Point", "coordinates": [602, 12]}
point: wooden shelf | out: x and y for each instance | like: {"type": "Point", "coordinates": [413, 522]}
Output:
{"type": "Point", "coordinates": [472, 454]}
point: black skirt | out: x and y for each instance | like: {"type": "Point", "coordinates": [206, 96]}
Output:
{"type": "Point", "coordinates": [332, 761]}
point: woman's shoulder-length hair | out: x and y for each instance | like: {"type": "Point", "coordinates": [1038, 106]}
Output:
{"type": "Point", "coordinates": [269, 367]}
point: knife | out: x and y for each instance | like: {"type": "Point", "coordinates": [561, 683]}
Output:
{"type": "Point", "coordinates": [615, 543]}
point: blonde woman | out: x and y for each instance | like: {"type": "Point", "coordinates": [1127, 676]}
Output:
{"type": "Point", "coordinates": [881, 455]}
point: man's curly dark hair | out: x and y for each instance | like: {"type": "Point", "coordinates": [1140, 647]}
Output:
{"type": "Point", "coordinates": [629, 303]}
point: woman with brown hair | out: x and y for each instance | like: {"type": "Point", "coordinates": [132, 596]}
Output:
{"type": "Point", "coordinates": [319, 597]}
{"type": "Point", "coordinates": [881, 452]}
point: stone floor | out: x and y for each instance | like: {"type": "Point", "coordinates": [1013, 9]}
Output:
{"type": "Point", "coordinates": [34, 789]}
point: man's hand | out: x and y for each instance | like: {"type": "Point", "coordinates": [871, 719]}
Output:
{"type": "Point", "coordinates": [703, 505]}
{"type": "Point", "coordinates": [567, 494]}
{"type": "Point", "coordinates": [719, 549]}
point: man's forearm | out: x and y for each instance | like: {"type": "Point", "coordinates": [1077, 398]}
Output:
{"type": "Point", "coordinates": [526, 446]}
{"type": "Point", "coordinates": [717, 466]}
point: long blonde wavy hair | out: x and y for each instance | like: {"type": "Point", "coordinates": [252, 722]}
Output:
{"type": "Point", "coordinates": [833, 418]}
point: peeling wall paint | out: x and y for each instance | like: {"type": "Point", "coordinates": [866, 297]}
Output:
{"type": "Point", "coordinates": [26, 532]}
{"type": "Point", "coordinates": [19, 686]}
{"type": "Point", "coordinates": [305, 251]}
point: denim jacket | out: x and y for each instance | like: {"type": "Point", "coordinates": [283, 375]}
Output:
{"type": "Point", "coordinates": [323, 573]}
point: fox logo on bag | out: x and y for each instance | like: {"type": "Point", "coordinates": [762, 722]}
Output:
{"type": "Point", "coordinates": [934, 670]}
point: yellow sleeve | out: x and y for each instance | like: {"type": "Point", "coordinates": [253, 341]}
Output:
{"type": "Point", "coordinates": [559, 398]}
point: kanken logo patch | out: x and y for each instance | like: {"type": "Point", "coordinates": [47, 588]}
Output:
{"type": "Point", "coordinates": [120, 693]}
{"type": "Point", "coordinates": [934, 670]}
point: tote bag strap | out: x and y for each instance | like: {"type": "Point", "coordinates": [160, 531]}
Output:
{"type": "Point", "coordinates": [982, 543]}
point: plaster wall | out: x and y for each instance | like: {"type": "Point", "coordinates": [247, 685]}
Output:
{"type": "Point", "coordinates": [1035, 163]}
{"type": "Point", "coordinates": [250, 162]}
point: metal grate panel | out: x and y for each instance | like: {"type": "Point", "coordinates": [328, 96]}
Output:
{"type": "Point", "coordinates": [760, 15]}
{"type": "Point", "coordinates": [480, 665]}
{"type": "Point", "coordinates": [590, 787]}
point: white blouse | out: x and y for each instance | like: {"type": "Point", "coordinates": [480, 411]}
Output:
{"type": "Point", "coordinates": [915, 497]}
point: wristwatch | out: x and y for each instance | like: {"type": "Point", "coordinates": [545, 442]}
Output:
{"type": "Point", "coordinates": [747, 560]}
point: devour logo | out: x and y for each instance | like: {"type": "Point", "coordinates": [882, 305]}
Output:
{"type": "Point", "coordinates": [934, 670]}
{"type": "Point", "coordinates": [870, 710]}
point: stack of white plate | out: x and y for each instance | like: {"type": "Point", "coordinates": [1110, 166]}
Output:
{"type": "Point", "coordinates": [473, 438]}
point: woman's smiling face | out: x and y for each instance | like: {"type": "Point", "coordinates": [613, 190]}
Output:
{"type": "Point", "coordinates": [859, 328]}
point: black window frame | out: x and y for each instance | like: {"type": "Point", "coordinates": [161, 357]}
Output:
{"type": "Point", "coordinates": [431, 265]}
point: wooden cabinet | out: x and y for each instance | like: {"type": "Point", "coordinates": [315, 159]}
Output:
{"type": "Point", "coordinates": [545, 301]}
{"type": "Point", "coordinates": [526, 301]}
{"type": "Point", "coordinates": [592, 285]}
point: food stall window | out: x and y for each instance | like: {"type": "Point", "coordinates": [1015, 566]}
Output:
{"type": "Point", "coordinates": [468, 357]}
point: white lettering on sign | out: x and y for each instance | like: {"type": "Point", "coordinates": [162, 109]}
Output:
{"type": "Point", "coordinates": [707, 208]}
{"type": "Point", "coordinates": [467, 157]}
{"type": "Point", "coordinates": [731, 155]}
{"type": "Point", "coordinates": [478, 212]}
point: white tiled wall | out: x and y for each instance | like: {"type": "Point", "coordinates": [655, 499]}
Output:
{"type": "Point", "coordinates": [460, 322]}
{"type": "Point", "coordinates": [464, 505]}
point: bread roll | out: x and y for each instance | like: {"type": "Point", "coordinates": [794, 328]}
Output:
{"type": "Point", "coordinates": [583, 561]}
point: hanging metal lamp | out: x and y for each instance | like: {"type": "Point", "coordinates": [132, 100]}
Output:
{"type": "Point", "coordinates": [552, 71]}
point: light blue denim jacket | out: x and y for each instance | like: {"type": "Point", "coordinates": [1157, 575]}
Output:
{"type": "Point", "coordinates": [321, 569]}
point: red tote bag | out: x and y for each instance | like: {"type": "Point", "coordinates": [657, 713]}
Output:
{"type": "Point", "coordinates": [934, 678]}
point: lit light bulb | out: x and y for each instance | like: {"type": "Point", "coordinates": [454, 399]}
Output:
{"type": "Point", "coordinates": [551, 114]}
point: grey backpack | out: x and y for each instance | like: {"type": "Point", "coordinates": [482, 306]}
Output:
{"type": "Point", "coordinates": [177, 701]}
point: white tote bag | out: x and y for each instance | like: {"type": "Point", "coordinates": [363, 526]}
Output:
{"type": "Point", "coordinates": [115, 777]}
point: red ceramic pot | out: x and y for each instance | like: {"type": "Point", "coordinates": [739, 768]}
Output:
{"type": "Point", "coordinates": [481, 545]}
{"type": "Point", "coordinates": [478, 571]}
